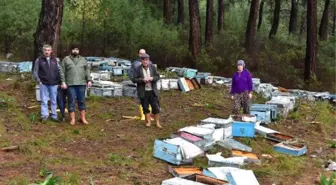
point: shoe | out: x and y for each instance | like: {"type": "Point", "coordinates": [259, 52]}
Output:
{"type": "Point", "coordinates": [44, 120]}
{"type": "Point", "coordinates": [56, 120]}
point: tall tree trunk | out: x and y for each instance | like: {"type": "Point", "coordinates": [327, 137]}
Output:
{"type": "Point", "coordinates": [323, 30]}
{"type": "Point", "coordinates": [209, 21]}
{"type": "Point", "coordinates": [310, 61]}
{"type": "Point", "coordinates": [180, 13]}
{"type": "Point", "coordinates": [303, 25]}
{"type": "Point", "coordinates": [220, 20]}
{"type": "Point", "coordinates": [104, 37]}
{"type": "Point", "coordinates": [48, 28]}
{"type": "Point", "coordinates": [261, 9]}
{"type": "Point", "coordinates": [167, 11]}
{"type": "Point", "coordinates": [83, 24]}
{"type": "Point", "coordinates": [7, 44]}
{"type": "Point", "coordinates": [195, 37]}
{"type": "Point", "coordinates": [251, 27]}
{"type": "Point", "coordinates": [334, 20]}
{"type": "Point", "coordinates": [276, 19]}
{"type": "Point", "coordinates": [293, 17]}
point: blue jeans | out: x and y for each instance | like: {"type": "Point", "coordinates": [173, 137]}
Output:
{"type": "Point", "coordinates": [48, 92]}
{"type": "Point", "coordinates": [76, 92]}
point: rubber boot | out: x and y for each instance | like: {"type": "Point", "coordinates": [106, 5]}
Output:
{"type": "Point", "coordinates": [83, 119]}
{"type": "Point", "coordinates": [142, 116]}
{"type": "Point", "coordinates": [150, 109]}
{"type": "Point", "coordinates": [72, 118]}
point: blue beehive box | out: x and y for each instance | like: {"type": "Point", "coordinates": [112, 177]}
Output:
{"type": "Point", "coordinates": [196, 140]}
{"type": "Point", "coordinates": [169, 152]}
{"type": "Point", "coordinates": [183, 85]}
{"type": "Point", "coordinates": [105, 67]}
{"type": "Point", "coordinates": [200, 77]}
{"type": "Point", "coordinates": [189, 73]}
{"type": "Point", "coordinates": [242, 177]}
{"type": "Point", "coordinates": [208, 173]}
{"type": "Point", "coordinates": [25, 66]}
{"type": "Point", "coordinates": [243, 129]}
{"type": "Point", "coordinates": [117, 71]}
{"type": "Point", "coordinates": [291, 149]}
{"type": "Point", "coordinates": [262, 115]}
{"type": "Point", "coordinates": [332, 97]}
{"type": "Point", "coordinates": [261, 107]}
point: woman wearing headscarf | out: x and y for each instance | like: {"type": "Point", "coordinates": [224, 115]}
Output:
{"type": "Point", "coordinates": [241, 89]}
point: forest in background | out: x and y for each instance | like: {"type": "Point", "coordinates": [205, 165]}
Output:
{"type": "Point", "coordinates": [190, 34]}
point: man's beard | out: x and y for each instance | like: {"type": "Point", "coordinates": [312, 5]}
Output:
{"type": "Point", "coordinates": [74, 53]}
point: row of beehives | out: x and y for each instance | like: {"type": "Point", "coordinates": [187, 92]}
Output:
{"type": "Point", "coordinates": [127, 88]}
{"type": "Point", "coordinates": [193, 141]}
{"type": "Point", "coordinates": [267, 90]}
{"type": "Point", "coordinates": [109, 66]}
{"type": "Point", "coordinates": [16, 67]}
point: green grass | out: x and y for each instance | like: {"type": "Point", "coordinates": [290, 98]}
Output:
{"type": "Point", "coordinates": [17, 117]}
{"type": "Point", "coordinates": [201, 161]}
{"type": "Point", "coordinates": [265, 170]}
{"type": "Point", "coordinates": [20, 180]}
{"type": "Point", "coordinates": [324, 113]}
{"type": "Point", "coordinates": [93, 133]}
{"type": "Point", "coordinates": [119, 160]}
{"type": "Point", "coordinates": [70, 179]}
{"type": "Point", "coordinates": [55, 143]}
{"type": "Point", "coordinates": [261, 145]}
{"type": "Point", "coordinates": [94, 102]}
{"type": "Point", "coordinates": [2, 128]}
{"type": "Point", "coordinates": [290, 164]}
{"type": "Point", "coordinates": [146, 157]}
{"type": "Point", "coordinates": [324, 180]}
{"type": "Point", "coordinates": [41, 142]}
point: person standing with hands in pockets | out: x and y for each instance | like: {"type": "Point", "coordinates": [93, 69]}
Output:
{"type": "Point", "coordinates": [46, 74]}
{"type": "Point", "coordinates": [75, 77]}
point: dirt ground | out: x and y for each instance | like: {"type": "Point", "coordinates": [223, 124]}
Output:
{"type": "Point", "coordinates": [120, 151]}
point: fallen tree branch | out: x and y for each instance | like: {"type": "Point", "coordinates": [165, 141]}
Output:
{"type": "Point", "coordinates": [10, 148]}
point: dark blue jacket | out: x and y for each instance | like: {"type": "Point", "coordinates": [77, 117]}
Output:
{"type": "Point", "coordinates": [47, 74]}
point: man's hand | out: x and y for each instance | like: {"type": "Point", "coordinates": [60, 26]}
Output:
{"type": "Point", "coordinates": [89, 84]}
{"type": "Point", "coordinates": [145, 80]}
{"type": "Point", "coordinates": [64, 86]}
{"type": "Point", "coordinates": [250, 95]}
{"type": "Point", "coordinates": [150, 79]}
{"type": "Point", "coordinates": [232, 97]}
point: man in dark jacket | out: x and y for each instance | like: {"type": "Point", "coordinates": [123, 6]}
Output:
{"type": "Point", "coordinates": [46, 74]}
{"type": "Point", "coordinates": [131, 75]}
{"type": "Point", "coordinates": [146, 77]}
{"type": "Point", "coordinates": [135, 64]}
